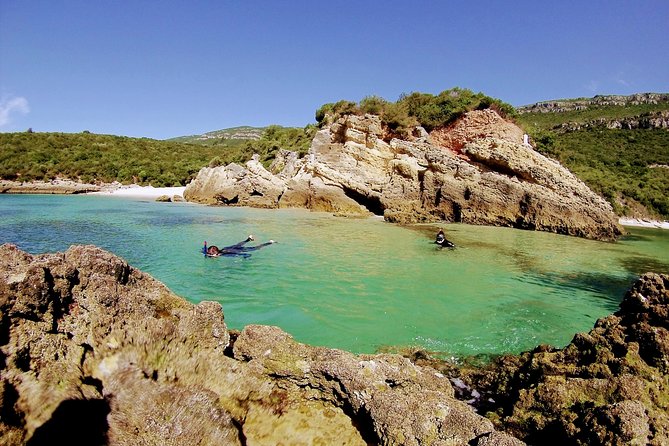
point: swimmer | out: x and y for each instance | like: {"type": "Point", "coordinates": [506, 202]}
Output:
{"type": "Point", "coordinates": [238, 249]}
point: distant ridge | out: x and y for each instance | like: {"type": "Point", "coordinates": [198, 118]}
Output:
{"type": "Point", "coordinates": [618, 145]}
{"type": "Point", "coordinates": [565, 105]}
{"type": "Point", "coordinates": [239, 133]}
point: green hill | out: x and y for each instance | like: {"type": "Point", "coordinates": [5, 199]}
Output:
{"type": "Point", "coordinates": [618, 145]}
{"type": "Point", "coordinates": [91, 157]}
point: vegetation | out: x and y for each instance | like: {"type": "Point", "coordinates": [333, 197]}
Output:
{"type": "Point", "coordinates": [414, 109]}
{"type": "Point", "coordinates": [627, 167]}
{"type": "Point", "coordinates": [90, 157]}
{"type": "Point", "coordinates": [276, 138]}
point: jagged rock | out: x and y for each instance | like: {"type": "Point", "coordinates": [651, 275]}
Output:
{"type": "Point", "coordinates": [475, 171]}
{"type": "Point", "coordinates": [607, 387]}
{"type": "Point", "coordinates": [233, 184]}
{"type": "Point", "coordinates": [93, 351]}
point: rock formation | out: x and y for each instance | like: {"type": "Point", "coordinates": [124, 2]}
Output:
{"type": "Point", "coordinates": [476, 171]}
{"type": "Point", "coordinates": [55, 187]}
{"type": "Point", "coordinates": [607, 387]}
{"type": "Point", "coordinates": [93, 351]}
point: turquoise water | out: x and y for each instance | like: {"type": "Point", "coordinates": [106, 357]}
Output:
{"type": "Point", "coordinates": [355, 284]}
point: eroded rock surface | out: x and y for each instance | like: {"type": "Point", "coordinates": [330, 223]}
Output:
{"type": "Point", "coordinates": [93, 351]}
{"type": "Point", "coordinates": [478, 171]}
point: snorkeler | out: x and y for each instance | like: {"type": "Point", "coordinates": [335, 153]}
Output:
{"type": "Point", "coordinates": [442, 241]}
{"type": "Point", "coordinates": [238, 249]}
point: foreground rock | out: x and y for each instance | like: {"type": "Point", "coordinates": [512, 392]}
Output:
{"type": "Point", "coordinates": [607, 387]}
{"type": "Point", "coordinates": [476, 171]}
{"type": "Point", "coordinates": [93, 351]}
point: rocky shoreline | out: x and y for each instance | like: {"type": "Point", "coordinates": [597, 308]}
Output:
{"type": "Point", "coordinates": [69, 187]}
{"type": "Point", "coordinates": [478, 170]}
{"type": "Point", "coordinates": [53, 187]}
{"type": "Point", "coordinates": [94, 351]}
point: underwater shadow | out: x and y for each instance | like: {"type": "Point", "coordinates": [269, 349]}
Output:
{"type": "Point", "coordinates": [639, 265]}
{"type": "Point", "coordinates": [609, 288]}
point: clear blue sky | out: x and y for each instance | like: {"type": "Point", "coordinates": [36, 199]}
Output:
{"type": "Point", "coordinates": [169, 68]}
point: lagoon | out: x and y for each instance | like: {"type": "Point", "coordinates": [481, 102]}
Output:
{"type": "Point", "coordinates": [355, 284]}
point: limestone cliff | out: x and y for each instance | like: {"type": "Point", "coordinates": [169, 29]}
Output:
{"type": "Point", "coordinates": [476, 171]}
{"type": "Point", "coordinates": [93, 351]}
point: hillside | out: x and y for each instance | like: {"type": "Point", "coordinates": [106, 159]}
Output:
{"type": "Point", "coordinates": [91, 158]}
{"type": "Point", "coordinates": [242, 133]}
{"type": "Point", "coordinates": [618, 145]}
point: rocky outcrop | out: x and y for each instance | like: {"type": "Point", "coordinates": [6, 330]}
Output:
{"type": "Point", "coordinates": [55, 187]}
{"type": "Point", "coordinates": [607, 387]}
{"type": "Point", "coordinates": [476, 171]}
{"type": "Point", "coordinates": [93, 351]}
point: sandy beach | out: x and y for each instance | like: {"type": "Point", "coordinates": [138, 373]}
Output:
{"type": "Point", "coordinates": [642, 223]}
{"type": "Point", "coordinates": [141, 191]}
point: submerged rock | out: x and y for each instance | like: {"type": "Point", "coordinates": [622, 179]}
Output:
{"type": "Point", "coordinates": [93, 351]}
{"type": "Point", "coordinates": [478, 171]}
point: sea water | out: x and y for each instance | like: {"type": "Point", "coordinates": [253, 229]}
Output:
{"type": "Point", "coordinates": [355, 284]}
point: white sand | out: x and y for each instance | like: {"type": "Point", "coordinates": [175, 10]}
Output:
{"type": "Point", "coordinates": [644, 223]}
{"type": "Point", "coordinates": [142, 191]}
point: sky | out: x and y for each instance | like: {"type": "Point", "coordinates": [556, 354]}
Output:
{"type": "Point", "coordinates": [162, 69]}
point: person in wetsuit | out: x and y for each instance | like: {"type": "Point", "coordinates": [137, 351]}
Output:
{"type": "Point", "coordinates": [238, 249]}
{"type": "Point", "coordinates": [441, 240]}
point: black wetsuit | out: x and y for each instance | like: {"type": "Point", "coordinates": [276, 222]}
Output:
{"type": "Point", "coordinates": [442, 242]}
{"type": "Point", "coordinates": [238, 249]}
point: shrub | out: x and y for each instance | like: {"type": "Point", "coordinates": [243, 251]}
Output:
{"type": "Point", "coordinates": [415, 108]}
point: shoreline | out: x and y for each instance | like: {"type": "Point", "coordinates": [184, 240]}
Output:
{"type": "Point", "coordinates": [141, 191]}
{"type": "Point", "coordinates": [66, 187]}
{"type": "Point", "coordinates": [643, 223]}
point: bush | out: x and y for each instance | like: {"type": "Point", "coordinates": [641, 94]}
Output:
{"type": "Point", "coordinates": [416, 108]}
{"type": "Point", "coordinates": [374, 105]}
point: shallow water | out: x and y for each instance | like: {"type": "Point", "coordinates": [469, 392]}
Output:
{"type": "Point", "coordinates": [355, 284]}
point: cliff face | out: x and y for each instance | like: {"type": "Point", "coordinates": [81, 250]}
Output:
{"type": "Point", "coordinates": [93, 351]}
{"type": "Point", "coordinates": [477, 171]}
